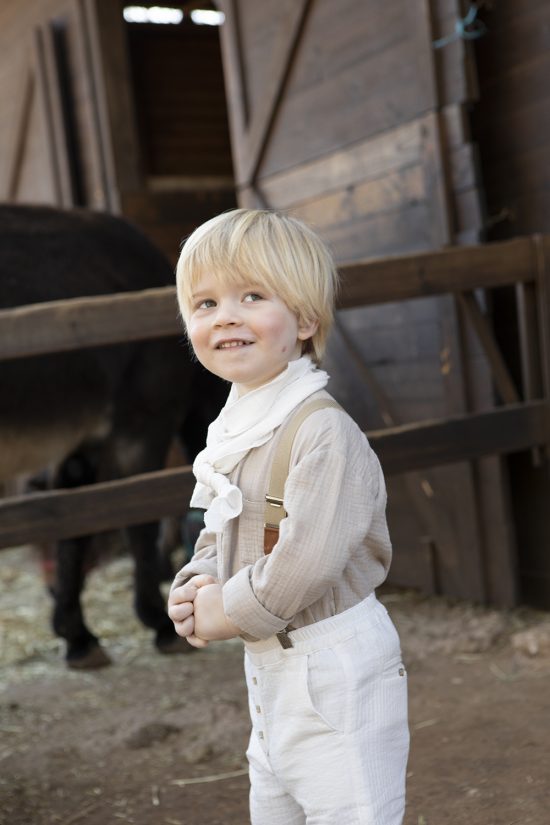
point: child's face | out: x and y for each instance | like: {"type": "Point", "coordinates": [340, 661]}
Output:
{"type": "Point", "coordinates": [243, 333]}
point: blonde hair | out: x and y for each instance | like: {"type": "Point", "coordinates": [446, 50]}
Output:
{"type": "Point", "coordinates": [272, 250]}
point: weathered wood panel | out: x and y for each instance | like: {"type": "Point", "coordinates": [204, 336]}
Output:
{"type": "Point", "coordinates": [137, 500]}
{"type": "Point", "coordinates": [368, 141]}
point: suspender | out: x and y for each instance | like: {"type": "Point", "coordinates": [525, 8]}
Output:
{"type": "Point", "coordinates": [274, 510]}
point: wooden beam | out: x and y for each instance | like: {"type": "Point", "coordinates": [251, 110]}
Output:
{"type": "Point", "coordinates": [429, 443]}
{"type": "Point", "coordinates": [96, 508]}
{"type": "Point", "coordinates": [58, 326]}
{"type": "Point", "coordinates": [453, 270]}
{"type": "Point", "coordinates": [501, 375]}
{"type": "Point", "coordinates": [264, 116]}
{"type": "Point", "coordinates": [145, 498]}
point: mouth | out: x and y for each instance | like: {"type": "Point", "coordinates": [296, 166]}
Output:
{"type": "Point", "coordinates": [233, 343]}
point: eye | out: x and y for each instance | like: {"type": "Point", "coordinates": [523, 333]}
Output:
{"type": "Point", "coordinates": [207, 303]}
{"type": "Point", "coordinates": [250, 297]}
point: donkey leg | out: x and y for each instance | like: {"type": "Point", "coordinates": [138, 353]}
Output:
{"type": "Point", "coordinates": [149, 602]}
{"type": "Point", "coordinates": [83, 649]}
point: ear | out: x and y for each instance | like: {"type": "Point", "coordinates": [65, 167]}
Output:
{"type": "Point", "coordinates": [307, 329]}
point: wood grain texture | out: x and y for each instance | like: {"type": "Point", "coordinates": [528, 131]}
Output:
{"type": "Point", "coordinates": [140, 499]}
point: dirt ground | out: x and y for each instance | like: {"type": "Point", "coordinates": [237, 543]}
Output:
{"type": "Point", "coordinates": [156, 740]}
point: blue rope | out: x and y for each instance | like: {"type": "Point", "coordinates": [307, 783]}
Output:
{"type": "Point", "coordinates": [467, 28]}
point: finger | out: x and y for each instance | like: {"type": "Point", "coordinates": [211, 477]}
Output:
{"type": "Point", "coordinates": [195, 641]}
{"type": "Point", "coordinates": [202, 579]}
{"type": "Point", "coordinates": [184, 593]}
{"type": "Point", "coordinates": [185, 628]}
{"type": "Point", "coordinates": [179, 612]}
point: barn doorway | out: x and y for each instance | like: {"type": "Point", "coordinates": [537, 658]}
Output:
{"type": "Point", "coordinates": [182, 121]}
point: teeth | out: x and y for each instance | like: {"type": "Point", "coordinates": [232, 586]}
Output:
{"type": "Point", "coordinates": [230, 344]}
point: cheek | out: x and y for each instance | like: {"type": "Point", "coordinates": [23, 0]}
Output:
{"type": "Point", "coordinates": [196, 334]}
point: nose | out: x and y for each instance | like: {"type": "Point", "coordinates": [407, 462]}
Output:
{"type": "Point", "coordinates": [227, 314]}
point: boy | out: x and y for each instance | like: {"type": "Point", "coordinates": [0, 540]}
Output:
{"type": "Point", "coordinates": [326, 684]}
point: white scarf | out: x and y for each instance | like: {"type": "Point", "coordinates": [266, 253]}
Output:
{"type": "Point", "coordinates": [246, 422]}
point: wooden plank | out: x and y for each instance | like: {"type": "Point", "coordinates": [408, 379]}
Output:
{"type": "Point", "coordinates": [19, 131]}
{"type": "Point", "coordinates": [58, 125]}
{"type": "Point", "coordinates": [144, 498]}
{"type": "Point", "coordinates": [426, 444]}
{"type": "Point", "coordinates": [404, 230]}
{"type": "Point", "coordinates": [463, 163]}
{"type": "Point", "coordinates": [541, 257]}
{"type": "Point", "coordinates": [93, 509]}
{"type": "Point", "coordinates": [65, 325]}
{"type": "Point", "coordinates": [437, 184]}
{"type": "Point", "coordinates": [357, 32]}
{"type": "Point", "coordinates": [529, 343]}
{"type": "Point", "coordinates": [364, 199]}
{"type": "Point", "coordinates": [58, 326]}
{"type": "Point", "coordinates": [365, 160]}
{"type": "Point", "coordinates": [456, 556]}
{"type": "Point", "coordinates": [501, 375]}
{"type": "Point", "coordinates": [363, 101]}
{"type": "Point", "coordinates": [96, 184]}
{"type": "Point", "coordinates": [46, 94]}
{"type": "Point", "coordinates": [236, 90]}
{"type": "Point", "coordinates": [469, 212]}
{"type": "Point", "coordinates": [456, 124]}
{"type": "Point", "coordinates": [433, 273]}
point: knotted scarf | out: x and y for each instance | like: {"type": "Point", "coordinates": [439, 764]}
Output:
{"type": "Point", "coordinates": [246, 422]}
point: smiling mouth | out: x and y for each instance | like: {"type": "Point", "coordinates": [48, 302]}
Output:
{"type": "Point", "coordinates": [233, 344]}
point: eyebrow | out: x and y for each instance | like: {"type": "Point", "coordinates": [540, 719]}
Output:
{"type": "Point", "coordinates": [251, 286]}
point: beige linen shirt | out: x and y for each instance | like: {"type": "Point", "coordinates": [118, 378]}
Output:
{"type": "Point", "coordinates": [333, 548]}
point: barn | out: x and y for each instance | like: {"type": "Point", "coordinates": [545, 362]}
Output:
{"type": "Point", "coordinates": [414, 136]}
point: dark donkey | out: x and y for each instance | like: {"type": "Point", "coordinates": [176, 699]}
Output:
{"type": "Point", "coordinates": [94, 414]}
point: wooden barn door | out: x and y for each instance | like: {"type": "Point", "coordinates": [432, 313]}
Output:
{"type": "Point", "coordinates": [343, 113]}
{"type": "Point", "coordinates": [69, 138]}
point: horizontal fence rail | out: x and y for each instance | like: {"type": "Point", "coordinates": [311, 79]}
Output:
{"type": "Point", "coordinates": [101, 320]}
{"type": "Point", "coordinates": [137, 500]}
{"type": "Point", "coordinates": [76, 323]}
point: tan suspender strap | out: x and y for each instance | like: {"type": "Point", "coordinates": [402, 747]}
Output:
{"type": "Point", "coordinates": [274, 510]}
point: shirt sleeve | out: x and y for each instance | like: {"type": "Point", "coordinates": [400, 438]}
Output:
{"type": "Point", "coordinates": [330, 496]}
{"type": "Point", "coordinates": [204, 559]}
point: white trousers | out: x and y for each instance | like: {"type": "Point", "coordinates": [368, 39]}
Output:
{"type": "Point", "coordinates": [329, 740]}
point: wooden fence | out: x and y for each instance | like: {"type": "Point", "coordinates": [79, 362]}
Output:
{"type": "Point", "coordinates": [520, 423]}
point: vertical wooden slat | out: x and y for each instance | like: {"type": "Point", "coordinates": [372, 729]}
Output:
{"type": "Point", "coordinates": [46, 94]}
{"type": "Point", "coordinates": [529, 342]}
{"type": "Point", "coordinates": [541, 259]}
{"type": "Point", "coordinates": [235, 81]}
{"type": "Point", "coordinates": [21, 124]}
{"type": "Point", "coordinates": [58, 129]}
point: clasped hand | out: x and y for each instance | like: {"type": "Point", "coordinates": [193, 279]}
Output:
{"type": "Point", "coordinates": [196, 608]}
